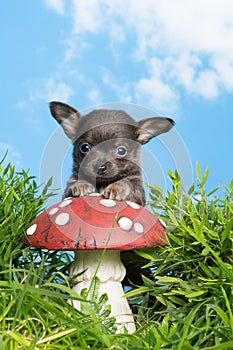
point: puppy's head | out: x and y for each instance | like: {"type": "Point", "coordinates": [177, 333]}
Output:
{"type": "Point", "coordinates": [106, 142]}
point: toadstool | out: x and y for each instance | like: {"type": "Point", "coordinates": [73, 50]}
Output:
{"type": "Point", "coordinates": [88, 225]}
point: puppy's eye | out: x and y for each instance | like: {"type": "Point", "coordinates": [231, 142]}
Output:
{"type": "Point", "coordinates": [121, 151]}
{"type": "Point", "coordinates": [85, 148]}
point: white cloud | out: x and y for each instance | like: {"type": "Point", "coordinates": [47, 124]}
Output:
{"type": "Point", "coordinates": [122, 90]}
{"type": "Point", "coordinates": [94, 96]}
{"type": "Point", "coordinates": [224, 67]}
{"type": "Point", "coordinates": [13, 156]}
{"type": "Point", "coordinates": [207, 84]}
{"type": "Point", "coordinates": [58, 90]}
{"type": "Point", "coordinates": [117, 33]}
{"type": "Point", "coordinates": [50, 89]}
{"type": "Point", "coordinates": [45, 90]}
{"type": "Point", "coordinates": [154, 90]}
{"type": "Point", "coordinates": [183, 70]}
{"type": "Point", "coordinates": [182, 44]}
{"type": "Point", "coordinates": [87, 16]}
{"type": "Point", "coordinates": [57, 5]}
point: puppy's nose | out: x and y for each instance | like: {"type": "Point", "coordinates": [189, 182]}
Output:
{"type": "Point", "coordinates": [102, 169]}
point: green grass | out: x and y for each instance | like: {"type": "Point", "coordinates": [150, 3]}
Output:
{"type": "Point", "coordinates": [192, 287]}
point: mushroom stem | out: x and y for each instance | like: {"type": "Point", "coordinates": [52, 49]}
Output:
{"type": "Point", "coordinates": [111, 272]}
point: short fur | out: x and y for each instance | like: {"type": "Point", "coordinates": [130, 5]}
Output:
{"type": "Point", "coordinates": [106, 151]}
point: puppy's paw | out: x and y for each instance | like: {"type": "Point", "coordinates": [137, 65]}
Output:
{"type": "Point", "coordinates": [119, 190]}
{"type": "Point", "coordinates": [82, 188]}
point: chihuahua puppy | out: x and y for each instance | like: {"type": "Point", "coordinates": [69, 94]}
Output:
{"type": "Point", "coordinates": [106, 151]}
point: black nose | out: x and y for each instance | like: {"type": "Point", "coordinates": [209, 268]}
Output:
{"type": "Point", "coordinates": [102, 169]}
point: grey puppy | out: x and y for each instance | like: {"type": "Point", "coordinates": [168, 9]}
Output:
{"type": "Point", "coordinates": [106, 151]}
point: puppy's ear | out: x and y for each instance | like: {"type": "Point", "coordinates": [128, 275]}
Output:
{"type": "Point", "coordinates": [67, 116]}
{"type": "Point", "coordinates": [152, 127]}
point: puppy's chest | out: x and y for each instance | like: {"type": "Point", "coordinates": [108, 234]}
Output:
{"type": "Point", "coordinates": [100, 189]}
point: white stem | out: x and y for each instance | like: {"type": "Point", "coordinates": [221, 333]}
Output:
{"type": "Point", "coordinates": [110, 272]}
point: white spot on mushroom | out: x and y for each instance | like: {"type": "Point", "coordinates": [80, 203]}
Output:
{"type": "Point", "coordinates": [62, 219]}
{"type": "Point", "coordinates": [65, 203]}
{"type": "Point", "coordinates": [138, 227]}
{"type": "Point", "coordinates": [133, 205]}
{"type": "Point", "coordinates": [95, 194]}
{"type": "Point", "coordinates": [31, 230]}
{"type": "Point", "coordinates": [125, 223]}
{"type": "Point", "coordinates": [53, 211]}
{"type": "Point", "coordinates": [109, 203]}
{"type": "Point", "coordinates": [162, 223]}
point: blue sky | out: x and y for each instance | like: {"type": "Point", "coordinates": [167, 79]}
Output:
{"type": "Point", "coordinates": [172, 58]}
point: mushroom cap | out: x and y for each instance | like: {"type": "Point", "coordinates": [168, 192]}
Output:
{"type": "Point", "coordinates": [95, 223]}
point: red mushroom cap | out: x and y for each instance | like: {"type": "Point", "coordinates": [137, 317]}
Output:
{"type": "Point", "coordinates": [95, 223]}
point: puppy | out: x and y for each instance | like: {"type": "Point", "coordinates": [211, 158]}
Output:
{"type": "Point", "coordinates": [106, 151]}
